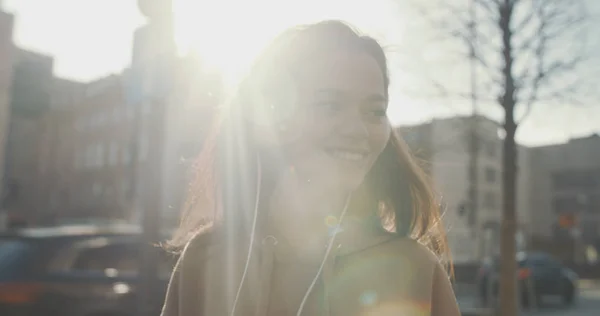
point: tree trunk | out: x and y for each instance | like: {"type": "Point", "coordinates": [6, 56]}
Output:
{"type": "Point", "coordinates": [508, 265]}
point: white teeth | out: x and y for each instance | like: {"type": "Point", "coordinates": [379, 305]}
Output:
{"type": "Point", "coordinates": [348, 155]}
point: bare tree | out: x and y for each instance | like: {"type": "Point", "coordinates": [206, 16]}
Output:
{"type": "Point", "coordinates": [526, 52]}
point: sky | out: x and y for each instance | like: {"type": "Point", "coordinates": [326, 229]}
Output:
{"type": "Point", "coordinates": [93, 38]}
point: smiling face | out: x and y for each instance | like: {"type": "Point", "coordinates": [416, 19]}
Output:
{"type": "Point", "coordinates": [340, 124]}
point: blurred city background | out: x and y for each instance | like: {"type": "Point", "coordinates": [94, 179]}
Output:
{"type": "Point", "coordinates": [104, 106]}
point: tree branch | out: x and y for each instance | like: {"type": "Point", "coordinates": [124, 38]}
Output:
{"type": "Point", "coordinates": [544, 71]}
{"type": "Point", "coordinates": [441, 91]}
{"type": "Point", "coordinates": [489, 7]}
{"type": "Point", "coordinates": [538, 27]}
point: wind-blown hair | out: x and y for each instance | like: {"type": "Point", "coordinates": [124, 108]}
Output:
{"type": "Point", "coordinates": [396, 189]}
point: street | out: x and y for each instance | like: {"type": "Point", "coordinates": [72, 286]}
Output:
{"type": "Point", "coordinates": [588, 303]}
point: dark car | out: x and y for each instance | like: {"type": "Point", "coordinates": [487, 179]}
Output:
{"type": "Point", "coordinates": [74, 271]}
{"type": "Point", "coordinates": [539, 276]}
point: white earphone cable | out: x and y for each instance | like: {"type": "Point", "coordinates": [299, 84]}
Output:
{"type": "Point", "coordinates": [253, 237]}
{"type": "Point", "coordinates": [252, 234]}
{"type": "Point", "coordinates": [327, 252]}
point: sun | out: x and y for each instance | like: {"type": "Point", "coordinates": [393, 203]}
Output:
{"type": "Point", "coordinates": [229, 34]}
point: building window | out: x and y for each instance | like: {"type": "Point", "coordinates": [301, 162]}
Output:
{"type": "Point", "coordinates": [490, 201]}
{"type": "Point", "coordinates": [90, 155]}
{"type": "Point", "coordinates": [109, 192]}
{"type": "Point", "coordinates": [130, 112]}
{"type": "Point", "coordinates": [490, 175]}
{"type": "Point", "coordinates": [102, 119]}
{"type": "Point", "coordinates": [74, 197]}
{"type": "Point", "coordinates": [79, 159]}
{"type": "Point", "coordinates": [99, 159]}
{"type": "Point", "coordinates": [146, 107]}
{"type": "Point", "coordinates": [80, 124]}
{"type": "Point", "coordinates": [113, 154]}
{"type": "Point", "coordinates": [93, 121]}
{"type": "Point", "coordinates": [144, 148]}
{"type": "Point", "coordinates": [116, 114]}
{"type": "Point", "coordinates": [125, 187]}
{"type": "Point", "coordinates": [97, 189]}
{"type": "Point", "coordinates": [126, 155]}
{"type": "Point", "coordinates": [491, 149]}
{"type": "Point", "coordinates": [53, 200]}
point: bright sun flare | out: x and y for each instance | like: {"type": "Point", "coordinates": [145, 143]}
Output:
{"type": "Point", "coordinates": [229, 34]}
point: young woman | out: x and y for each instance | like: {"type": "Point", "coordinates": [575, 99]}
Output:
{"type": "Point", "coordinates": [307, 202]}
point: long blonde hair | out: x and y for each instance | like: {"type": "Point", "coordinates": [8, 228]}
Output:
{"type": "Point", "coordinates": [396, 188]}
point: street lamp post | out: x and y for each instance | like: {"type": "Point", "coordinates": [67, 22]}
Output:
{"type": "Point", "coordinates": [153, 53]}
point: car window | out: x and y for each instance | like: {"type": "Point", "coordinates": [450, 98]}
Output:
{"type": "Point", "coordinates": [117, 259]}
{"type": "Point", "coordinates": [112, 260]}
{"type": "Point", "coordinates": [106, 255]}
{"type": "Point", "coordinates": [553, 263]}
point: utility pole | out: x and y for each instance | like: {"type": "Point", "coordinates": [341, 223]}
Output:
{"type": "Point", "coordinates": [154, 50]}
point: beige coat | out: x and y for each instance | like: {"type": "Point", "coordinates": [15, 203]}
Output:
{"type": "Point", "coordinates": [385, 276]}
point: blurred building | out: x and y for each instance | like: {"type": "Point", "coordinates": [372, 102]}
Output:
{"type": "Point", "coordinates": [106, 149]}
{"type": "Point", "coordinates": [566, 193]}
{"type": "Point", "coordinates": [84, 149]}
{"type": "Point", "coordinates": [30, 101]}
{"type": "Point", "coordinates": [6, 62]}
{"type": "Point", "coordinates": [56, 153]}
{"type": "Point", "coordinates": [94, 146]}
{"type": "Point", "coordinates": [443, 146]}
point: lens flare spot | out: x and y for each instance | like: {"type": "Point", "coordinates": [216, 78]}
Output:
{"type": "Point", "coordinates": [368, 298]}
{"type": "Point", "coordinates": [331, 221]}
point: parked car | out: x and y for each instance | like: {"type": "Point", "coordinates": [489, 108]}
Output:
{"type": "Point", "coordinates": [74, 271]}
{"type": "Point", "coordinates": [539, 276]}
